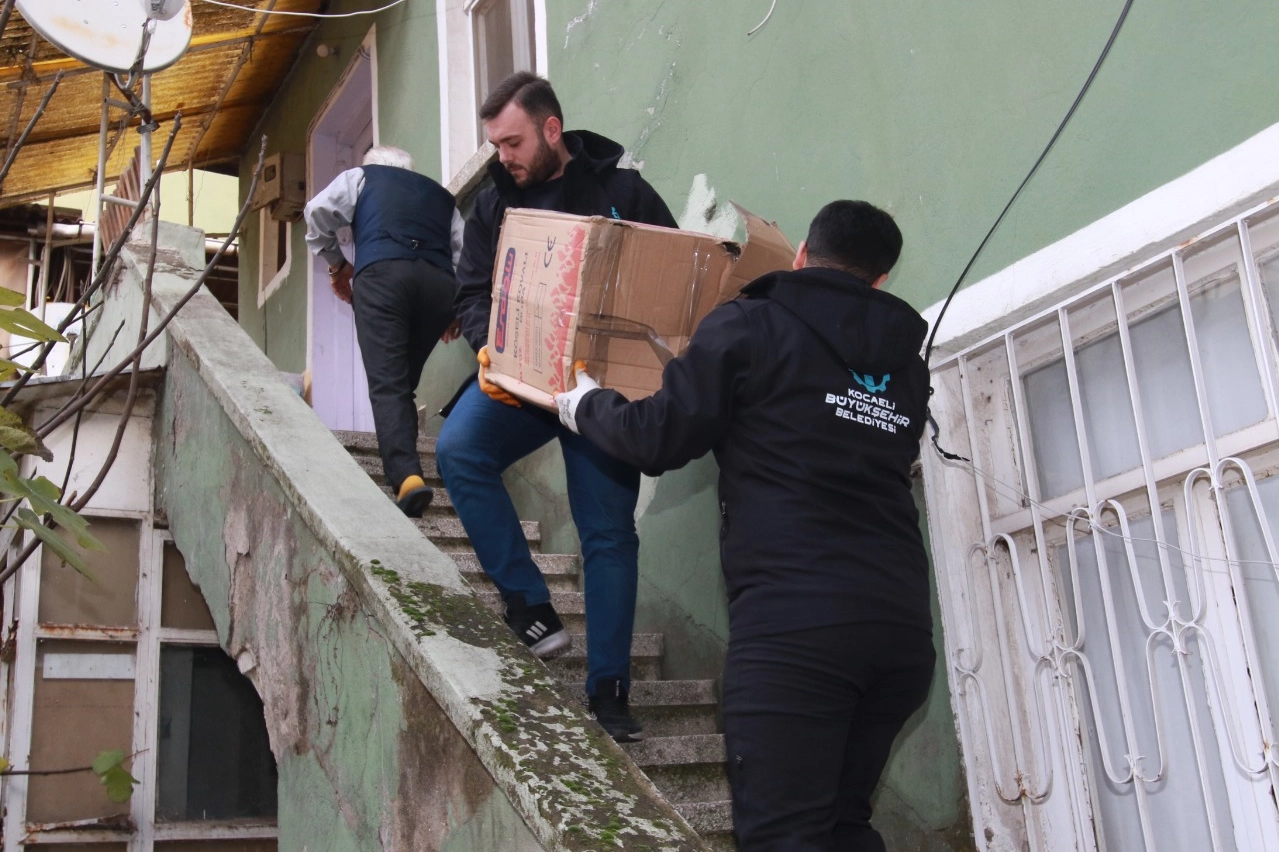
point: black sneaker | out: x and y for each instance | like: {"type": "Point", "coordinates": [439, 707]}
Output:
{"type": "Point", "coordinates": [610, 705]}
{"type": "Point", "coordinates": [537, 626]}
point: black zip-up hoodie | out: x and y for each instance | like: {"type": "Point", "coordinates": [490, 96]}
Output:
{"type": "Point", "coordinates": [811, 393]}
{"type": "Point", "coordinates": [591, 185]}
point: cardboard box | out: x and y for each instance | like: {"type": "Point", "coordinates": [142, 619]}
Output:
{"type": "Point", "coordinates": [621, 296]}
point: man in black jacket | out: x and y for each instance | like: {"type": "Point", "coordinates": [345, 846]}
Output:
{"type": "Point", "coordinates": [810, 391]}
{"type": "Point", "coordinates": [542, 166]}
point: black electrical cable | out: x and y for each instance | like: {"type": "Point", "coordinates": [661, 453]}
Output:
{"type": "Point", "coordinates": [1092, 75]}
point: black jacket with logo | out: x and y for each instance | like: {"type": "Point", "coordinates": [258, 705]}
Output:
{"type": "Point", "coordinates": [811, 393]}
{"type": "Point", "coordinates": [591, 185]}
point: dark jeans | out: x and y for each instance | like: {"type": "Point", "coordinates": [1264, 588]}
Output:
{"type": "Point", "coordinates": [401, 309]}
{"type": "Point", "coordinates": [480, 439]}
{"type": "Point", "coordinates": [809, 719]}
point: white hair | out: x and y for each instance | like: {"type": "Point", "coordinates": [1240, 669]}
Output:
{"type": "Point", "coordinates": [388, 155]}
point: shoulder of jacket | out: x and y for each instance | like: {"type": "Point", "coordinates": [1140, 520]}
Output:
{"type": "Point", "coordinates": [487, 203]}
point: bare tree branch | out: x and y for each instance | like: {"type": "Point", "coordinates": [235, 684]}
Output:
{"type": "Point", "coordinates": [132, 397]}
{"type": "Point", "coordinates": [4, 14]}
{"type": "Point", "coordinates": [17, 146]}
{"type": "Point", "coordinates": [70, 409]}
{"type": "Point", "coordinates": [108, 263]}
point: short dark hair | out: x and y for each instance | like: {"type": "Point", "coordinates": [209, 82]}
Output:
{"type": "Point", "coordinates": [855, 236]}
{"type": "Point", "coordinates": [533, 93]}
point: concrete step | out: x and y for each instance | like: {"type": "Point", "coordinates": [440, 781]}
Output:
{"type": "Point", "coordinates": [446, 532]}
{"type": "Point", "coordinates": [569, 605]}
{"type": "Point", "coordinates": [365, 443]}
{"type": "Point", "coordinates": [646, 659]}
{"type": "Point", "coordinates": [560, 570]}
{"type": "Point", "coordinates": [710, 818]}
{"type": "Point", "coordinates": [719, 841]}
{"type": "Point", "coordinates": [372, 465]}
{"type": "Point", "coordinates": [670, 708]}
{"type": "Point", "coordinates": [441, 503]}
{"type": "Point", "coordinates": [686, 768]}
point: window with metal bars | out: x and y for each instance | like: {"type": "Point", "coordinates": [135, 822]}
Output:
{"type": "Point", "coordinates": [1110, 632]}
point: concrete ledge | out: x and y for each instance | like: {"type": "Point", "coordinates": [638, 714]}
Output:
{"type": "Point", "coordinates": [252, 479]}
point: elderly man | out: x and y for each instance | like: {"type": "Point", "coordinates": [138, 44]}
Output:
{"type": "Point", "coordinates": [407, 235]}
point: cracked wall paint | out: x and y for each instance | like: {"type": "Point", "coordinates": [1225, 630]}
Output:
{"type": "Point", "coordinates": [579, 20]}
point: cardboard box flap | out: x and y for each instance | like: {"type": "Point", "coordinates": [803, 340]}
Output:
{"type": "Point", "coordinates": [765, 250]}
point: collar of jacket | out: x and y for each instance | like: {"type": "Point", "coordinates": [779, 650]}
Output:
{"type": "Point", "coordinates": [589, 153]}
{"type": "Point", "coordinates": [869, 329]}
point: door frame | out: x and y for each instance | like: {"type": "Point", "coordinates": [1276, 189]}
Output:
{"type": "Point", "coordinates": [342, 116]}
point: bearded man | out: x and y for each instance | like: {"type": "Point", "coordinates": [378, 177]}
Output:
{"type": "Point", "coordinates": [540, 165]}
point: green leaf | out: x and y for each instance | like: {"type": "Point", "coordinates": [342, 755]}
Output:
{"type": "Point", "coordinates": [26, 324]}
{"type": "Point", "coordinates": [11, 298]}
{"type": "Point", "coordinates": [110, 771]}
{"type": "Point", "coordinates": [6, 365]}
{"type": "Point", "coordinates": [63, 516]}
{"type": "Point", "coordinates": [4, 764]}
{"type": "Point", "coordinates": [106, 760]}
{"type": "Point", "coordinates": [19, 438]}
{"type": "Point", "coordinates": [119, 784]}
{"type": "Point", "coordinates": [44, 488]}
{"type": "Point", "coordinates": [28, 520]}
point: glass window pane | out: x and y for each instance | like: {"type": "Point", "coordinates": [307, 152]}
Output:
{"type": "Point", "coordinates": [181, 604]}
{"type": "Point", "coordinates": [1178, 817]}
{"type": "Point", "coordinates": [100, 712]}
{"type": "Point", "coordinates": [1259, 574]}
{"type": "Point", "coordinates": [108, 600]}
{"type": "Point", "coordinates": [1103, 391]}
{"type": "Point", "coordinates": [1162, 362]}
{"type": "Point", "coordinates": [214, 760]}
{"type": "Point", "coordinates": [1052, 430]}
{"type": "Point", "coordinates": [1225, 350]}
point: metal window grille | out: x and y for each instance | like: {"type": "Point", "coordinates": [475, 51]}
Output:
{"type": "Point", "coordinates": [1107, 562]}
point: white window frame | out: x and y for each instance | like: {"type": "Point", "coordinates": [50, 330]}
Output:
{"type": "Point", "coordinates": [459, 103]}
{"type": "Point", "coordinates": [270, 276]}
{"type": "Point", "coordinates": [20, 613]}
{"type": "Point", "coordinates": [1012, 757]}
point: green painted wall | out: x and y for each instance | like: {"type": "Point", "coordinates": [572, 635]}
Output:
{"type": "Point", "coordinates": [933, 110]}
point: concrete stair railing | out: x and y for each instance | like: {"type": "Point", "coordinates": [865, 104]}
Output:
{"type": "Point", "coordinates": [682, 751]}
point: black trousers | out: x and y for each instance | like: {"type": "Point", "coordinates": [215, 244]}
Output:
{"type": "Point", "coordinates": [809, 719]}
{"type": "Point", "coordinates": [401, 309]}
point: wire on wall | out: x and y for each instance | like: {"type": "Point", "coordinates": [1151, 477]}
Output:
{"type": "Point", "coordinates": [355, 14]}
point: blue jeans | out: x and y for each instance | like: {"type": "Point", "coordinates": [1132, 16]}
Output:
{"type": "Point", "coordinates": [480, 439]}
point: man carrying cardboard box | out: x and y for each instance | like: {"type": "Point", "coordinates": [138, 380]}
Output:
{"type": "Point", "coordinates": [542, 166]}
{"type": "Point", "coordinates": [811, 393]}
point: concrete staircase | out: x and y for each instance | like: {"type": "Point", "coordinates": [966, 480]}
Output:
{"type": "Point", "coordinates": [682, 751]}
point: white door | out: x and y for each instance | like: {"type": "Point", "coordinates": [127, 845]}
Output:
{"type": "Point", "coordinates": [342, 132]}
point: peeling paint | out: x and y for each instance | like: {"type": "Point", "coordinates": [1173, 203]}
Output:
{"type": "Point", "coordinates": [580, 19]}
{"type": "Point", "coordinates": [704, 212]}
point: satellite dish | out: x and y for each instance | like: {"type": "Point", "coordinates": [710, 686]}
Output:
{"type": "Point", "coordinates": [107, 33]}
{"type": "Point", "coordinates": [162, 10]}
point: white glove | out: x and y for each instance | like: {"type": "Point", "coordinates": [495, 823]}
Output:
{"type": "Point", "coordinates": [567, 402]}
